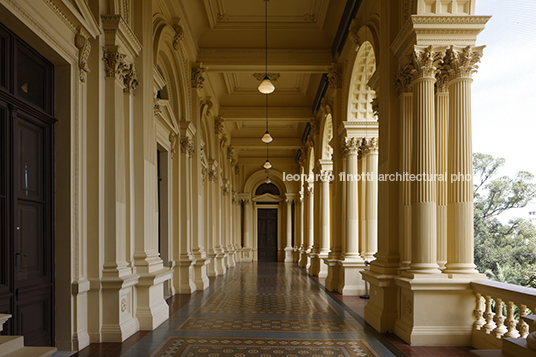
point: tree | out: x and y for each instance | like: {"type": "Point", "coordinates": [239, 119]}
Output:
{"type": "Point", "coordinates": [505, 252]}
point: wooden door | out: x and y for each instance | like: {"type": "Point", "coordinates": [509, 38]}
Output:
{"type": "Point", "coordinates": [26, 195]}
{"type": "Point", "coordinates": [267, 234]}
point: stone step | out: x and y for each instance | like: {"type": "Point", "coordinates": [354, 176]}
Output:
{"type": "Point", "coordinates": [33, 352]}
{"type": "Point", "coordinates": [488, 353]}
{"type": "Point", "coordinates": [517, 347]}
{"type": "Point", "coordinates": [9, 344]}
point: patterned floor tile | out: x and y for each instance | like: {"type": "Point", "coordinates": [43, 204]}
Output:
{"type": "Point", "coordinates": [190, 347]}
{"type": "Point", "coordinates": [274, 325]}
{"type": "Point", "coordinates": [273, 303]}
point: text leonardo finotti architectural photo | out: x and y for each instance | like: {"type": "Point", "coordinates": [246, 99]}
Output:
{"type": "Point", "coordinates": [245, 178]}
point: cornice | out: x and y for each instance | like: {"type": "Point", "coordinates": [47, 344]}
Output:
{"type": "Point", "coordinates": [428, 30]}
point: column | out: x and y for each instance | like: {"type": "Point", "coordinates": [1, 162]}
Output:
{"type": "Point", "coordinates": [288, 248]}
{"type": "Point", "coordinates": [314, 259]}
{"type": "Point", "coordinates": [424, 191]}
{"type": "Point", "coordinates": [325, 221]}
{"type": "Point", "coordinates": [351, 282]}
{"type": "Point", "coordinates": [248, 247]}
{"type": "Point", "coordinates": [305, 231]}
{"type": "Point", "coordinates": [442, 129]}
{"type": "Point", "coordinates": [460, 64]}
{"type": "Point", "coordinates": [182, 280]}
{"type": "Point", "coordinates": [406, 110]}
{"type": "Point", "coordinates": [298, 234]}
{"type": "Point", "coordinates": [371, 187]}
{"type": "Point", "coordinates": [310, 228]}
{"type": "Point", "coordinates": [352, 209]}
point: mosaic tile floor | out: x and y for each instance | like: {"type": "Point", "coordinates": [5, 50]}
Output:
{"type": "Point", "coordinates": [262, 310]}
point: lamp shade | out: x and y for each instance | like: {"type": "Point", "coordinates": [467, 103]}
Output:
{"type": "Point", "coordinates": [267, 138]}
{"type": "Point", "coordinates": [268, 180]}
{"type": "Point", "coordinates": [267, 165]}
{"type": "Point", "coordinates": [266, 86]}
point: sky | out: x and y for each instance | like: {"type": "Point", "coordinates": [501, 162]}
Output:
{"type": "Point", "coordinates": [504, 89]}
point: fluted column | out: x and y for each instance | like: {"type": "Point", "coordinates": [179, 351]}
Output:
{"type": "Point", "coordinates": [184, 284]}
{"type": "Point", "coordinates": [406, 111]}
{"type": "Point", "coordinates": [424, 187]}
{"type": "Point", "coordinates": [460, 64]}
{"type": "Point", "coordinates": [371, 186]}
{"type": "Point", "coordinates": [305, 230]}
{"type": "Point", "coordinates": [310, 220]}
{"type": "Point", "coordinates": [442, 129]}
{"type": "Point", "coordinates": [248, 239]}
{"type": "Point", "coordinates": [288, 248]}
{"type": "Point", "coordinates": [352, 209]}
{"type": "Point", "coordinates": [325, 222]}
{"type": "Point", "coordinates": [298, 234]}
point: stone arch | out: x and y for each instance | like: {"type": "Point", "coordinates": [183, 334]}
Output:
{"type": "Point", "coordinates": [166, 55]}
{"type": "Point", "coordinates": [326, 135]}
{"type": "Point", "coordinates": [257, 178]}
{"type": "Point", "coordinates": [360, 95]}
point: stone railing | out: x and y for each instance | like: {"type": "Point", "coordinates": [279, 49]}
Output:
{"type": "Point", "coordinates": [499, 312]}
{"type": "Point", "coordinates": [3, 319]}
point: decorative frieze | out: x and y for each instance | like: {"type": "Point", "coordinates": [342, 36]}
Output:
{"type": "Point", "coordinates": [84, 49]}
{"type": "Point", "coordinates": [272, 76]}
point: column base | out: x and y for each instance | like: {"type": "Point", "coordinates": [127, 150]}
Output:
{"type": "Point", "coordinates": [232, 258]}
{"type": "Point", "coordinates": [351, 282]}
{"type": "Point", "coordinates": [198, 271]}
{"type": "Point", "coordinates": [314, 264]}
{"type": "Point", "coordinates": [182, 276]}
{"type": "Point", "coordinates": [323, 273]}
{"type": "Point", "coordinates": [334, 271]}
{"type": "Point", "coordinates": [247, 254]}
{"type": "Point", "coordinates": [119, 322]}
{"type": "Point", "coordinates": [289, 256]}
{"type": "Point", "coordinates": [296, 255]}
{"type": "Point", "coordinates": [152, 308]}
{"type": "Point", "coordinates": [381, 310]}
{"type": "Point", "coordinates": [435, 310]}
{"type": "Point", "coordinates": [303, 259]}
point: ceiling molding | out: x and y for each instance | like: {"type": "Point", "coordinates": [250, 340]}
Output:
{"type": "Point", "coordinates": [298, 114]}
{"type": "Point", "coordinates": [254, 60]}
{"type": "Point", "coordinates": [309, 17]}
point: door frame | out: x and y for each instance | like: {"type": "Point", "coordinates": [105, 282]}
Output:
{"type": "Point", "coordinates": [257, 206]}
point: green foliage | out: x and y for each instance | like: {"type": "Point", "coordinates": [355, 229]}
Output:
{"type": "Point", "coordinates": [504, 252]}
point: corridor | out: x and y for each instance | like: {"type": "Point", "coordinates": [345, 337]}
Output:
{"type": "Point", "coordinates": [261, 309]}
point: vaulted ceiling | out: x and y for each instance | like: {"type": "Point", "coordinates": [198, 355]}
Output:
{"type": "Point", "coordinates": [230, 35]}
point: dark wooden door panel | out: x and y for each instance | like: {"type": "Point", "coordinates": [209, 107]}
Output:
{"type": "Point", "coordinates": [267, 235]}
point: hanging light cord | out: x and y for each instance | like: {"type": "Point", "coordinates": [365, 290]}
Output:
{"type": "Point", "coordinates": [266, 34]}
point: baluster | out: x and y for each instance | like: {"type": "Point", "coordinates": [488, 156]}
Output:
{"type": "Point", "coordinates": [478, 313]}
{"type": "Point", "coordinates": [511, 321]}
{"type": "Point", "coordinates": [522, 326]}
{"type": "Point", "coordinates": [499, 319]}
{"type": "Point", "coordinates": [488, 315]}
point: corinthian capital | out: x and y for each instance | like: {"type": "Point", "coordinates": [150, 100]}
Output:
{"type": "Point", "coordinates": [114, 62]}
{"type": "Point", "coordinates": [462, 61]}
{"type": "Point", "coordinates": [404, 78]}
{"type": "Point", "coordinates": [335, 76]}
{"type": "Point", "coordinates": [426, 61]}
{"type": "Point", "coordinates": [370, 146]}
{"type": "Point", "coordinates": [352, 145]}
{"type": "Point", "coordinates": [130, 79]}
{"type": "Point", "coordinates": [187, 146]}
